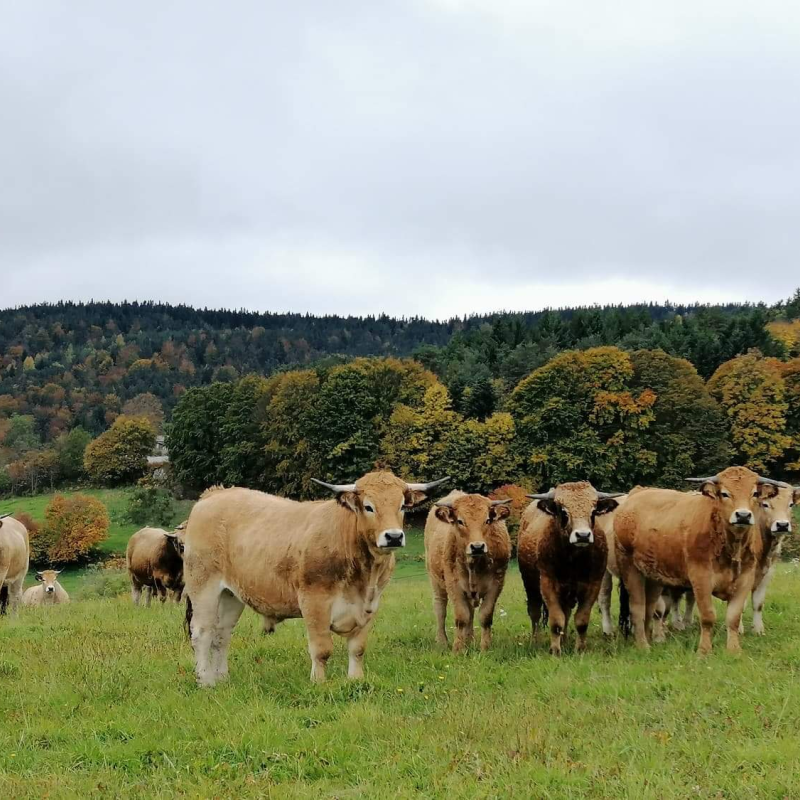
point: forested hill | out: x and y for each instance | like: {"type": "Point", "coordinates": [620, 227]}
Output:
{"type": "Point", "coordinates": [75, 364]}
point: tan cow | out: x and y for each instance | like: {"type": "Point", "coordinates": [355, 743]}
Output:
{"type": "Point", "coordinates": [467, 549]}
{"type": "Point", "coordinates": [706, 542]}
{"type": "Point", "coordinates": [155, 564]}
{"type": "Point", "coordinates": [562, 556]}
{"type": "Point", "coordinates": [14, 557]}
{"type": "Point", "coordinates": [49, 593]}
{"type": "Point", "coordinates": [775, 523]}
{"type": "Point", "coordinates": [325, 561]}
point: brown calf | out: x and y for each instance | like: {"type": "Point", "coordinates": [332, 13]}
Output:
{"type": "Point", "coordinates": [467, 548]}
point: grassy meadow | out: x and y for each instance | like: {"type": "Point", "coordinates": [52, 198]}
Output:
{"type": "Point", "coordinates": [98, 699]}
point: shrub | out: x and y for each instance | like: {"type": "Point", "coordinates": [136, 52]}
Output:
{"type": "Point", "coordinates": [100, 582]}
{"type": "Point", "coordinates": [150, 505]}
{"type": "Point", "coordinates": [74, 525]}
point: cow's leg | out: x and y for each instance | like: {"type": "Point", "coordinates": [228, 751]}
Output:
{"type": "Point", "coordinates": [604, 601]}
{"type": "Point", "coordinates": [701, 586]}
{"type": "Point", "coordinates": [15, 594]}
{"type": "Point", "coordinates": [486, 613]}
{"type": "Point", "coordinates": [440, 612]}
{"type": "Point", "coordinates": [356, 647]}
{"type": "Point", "coordinates": [136, 590]}
{"type": "Point", "coordinates": [655, 611]}
{"type": "Point", "coordinates": [230, 609]}
{"type": "Point", "coordinates": [205, 612]}
{"type": "Point", "coordinates": [177, 595]}
{"type": "Point", "coordinates": [583, 613]}
{"type": "Point", "coordinates": [161, 590]}
{"type": "Point", "coordinates": [148, 596]}
{"type": "Point", "coordinates": [759, 595]}
{"type": "Point", "coordinates": [557, 617]}
{"type": "Point", "coordinates": [270, 623]}
{"type": "Point", "coordinates": [317, 616]}
{"type": "Point", "coordinates": [533, 597]}
{"type": "Point", "coordinates": [635, 584]}
{"type": "Point", "coordinates": [688, 611]}
{"type": "Point", "coordinates": [733, 614]}
{"type": "Point", "coordinates": [463, 612]}
{"type": "Point", "coordinates": [674, 610]}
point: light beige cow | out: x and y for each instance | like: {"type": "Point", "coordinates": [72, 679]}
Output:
{"type": "Point", "coordinates": [325, 561]}
{"type": "Point", "coordinates": [49, 592]}
{"type": "Point", "coordinates": [467, 549]}
{"type": "Point", "coordinates": [14, 558]}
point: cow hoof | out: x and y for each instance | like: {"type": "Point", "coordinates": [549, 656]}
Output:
{"type": "Point", "coordinates": [678, 626]}
{"type": "Point", "coordinates": [555, 651]}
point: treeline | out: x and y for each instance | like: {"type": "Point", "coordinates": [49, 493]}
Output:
{"type": "Point", "coordinates": [68, 371]}
{"type": "Point", "coordinates": [614, 417]}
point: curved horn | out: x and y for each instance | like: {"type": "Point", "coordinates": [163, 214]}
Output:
{"type": "Point", "coordinates": [608, 495]}
{"type": "Point", "coordinates": [770, 482]}
{"type": "Point", "coordinates": [339, 488]}
{"type": "Point", "coordinates": [426, 487]}
{"type": "Point", "coordinates": [710, 479]}
{"type": "Point", "coordinates": [444, 504]}
{"type": "Point", "coordinates": [500, 502]}
{"type": "Point", "coordinates": [546, 496]}
{"type": "Point", "coordinates": [170, 535]}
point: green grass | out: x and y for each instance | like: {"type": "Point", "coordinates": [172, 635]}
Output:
{"type": "Point", "coordinates": [98, 699]}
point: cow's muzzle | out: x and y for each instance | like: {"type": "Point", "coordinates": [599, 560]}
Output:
{"type": "Point", "coordinates": [50, 589]}
{"type": "Point", "coordinates": [581, 537]}
{"type": "Point", "coordinates": [742, 516]}
{"type": "Point", "coordinates": [392, 538]}
{"type": "Point", "coordinates": [477, 549]}
{"type": "Point", "coordinates": [782, 526]}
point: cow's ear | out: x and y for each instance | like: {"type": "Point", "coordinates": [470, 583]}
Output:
{"type": "Point", "coordinates": [499, 512]}
{"type": "Point", "coordinates": [606, 505]}
{"type": "Point", "coordinates": [39, 576]}
{"type": "Point", "coordinates": [548, 505]}
{"type": "Point", "coordinates": [349, 500]}
{"type": "Point", "coordinates": [414, 497]}
{"type": "Point", "coordinates": [445, 514]}
{"type": "Point", "coordinates": [766, 491]}
{"type": "Point", "coordinates": [709, 489]}
{"type": "Point", "coordinates": [796, 495]}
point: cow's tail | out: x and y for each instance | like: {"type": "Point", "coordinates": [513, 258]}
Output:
{"type": "Point", "coordinates": [624, 610]}
{"type": "Point", "coordinates": [187, 622]}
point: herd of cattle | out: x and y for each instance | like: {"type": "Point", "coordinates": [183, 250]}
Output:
{"type": "Point", "coordinates": [329, 561]}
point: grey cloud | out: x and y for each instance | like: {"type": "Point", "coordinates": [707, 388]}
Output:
{"type": "Point", "coordinates": [211, 153]}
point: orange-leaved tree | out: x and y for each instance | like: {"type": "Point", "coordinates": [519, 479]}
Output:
{"type": "Point", "coordinates": [73, 526]}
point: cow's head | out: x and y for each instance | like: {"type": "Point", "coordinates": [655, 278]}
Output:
{"type": "Point", "coordinates": [49, 579]}
{"type": "Point", "coordinates": [738, 492]}
{"type": "Point", "coordinates": [472, 517]}
{"type": "Point", "coordinates": [575, 506]}
{"type": "Point", "coordinates": [175, 541]}
{"type": "Point", "coordinates": [379, 501]}
{"type": "Point", "coordinates": [775, 512]}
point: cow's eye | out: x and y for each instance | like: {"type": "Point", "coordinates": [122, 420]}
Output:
{"type": "Point", "coordinates": [368, 507]}
{"type": "Point", "coordinates": [765, 505]}
{"type": "Point", "coordinates": [461, 522]}
{"type": "Point", "coordinates": [725, 494]}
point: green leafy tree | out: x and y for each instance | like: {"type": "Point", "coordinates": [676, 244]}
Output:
{"type": "Point", "coordinates": [71, 449]}
{"type": "Point", "coordinates": [120, 454]}
{"type": "Point", "coordinates": [150, 505]}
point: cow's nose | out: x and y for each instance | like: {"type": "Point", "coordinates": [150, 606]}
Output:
{"type": "Point", "coordinates": [783, 526]}
{"type": "Point", "coordinates": [392, 539]}
{"type": "Point", "coordinates": [744, 517]}
{"type": "Point", "coordinates": [50, 589]}
{"type": "Point", "coordinates": [477, 548]}
{"type": "Point", "coordinates": [582, 537]}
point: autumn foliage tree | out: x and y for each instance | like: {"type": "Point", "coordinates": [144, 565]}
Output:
{"type": "Point", "coordinates": [120, 454]}
{"type": "Point", "coordinates": [752, 393]}
{"type": "Point", "coordinates": [73, 526]}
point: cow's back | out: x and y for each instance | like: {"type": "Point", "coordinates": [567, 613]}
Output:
{"type": "Point", "coordinates": [144, 550]}
{"type": "Point", "coordinates": [661, 527]}
{"type": "Point", "coordinates": [14, 549]}
{"type": "Point", "coordinates": [262, 546]}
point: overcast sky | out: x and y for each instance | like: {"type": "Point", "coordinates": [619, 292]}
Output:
{"type": "Point", "coordinates": [433, 157]}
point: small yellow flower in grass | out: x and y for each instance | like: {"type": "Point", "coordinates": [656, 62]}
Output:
{"type": "Point", "coordinates": [400, 690]}
{"type": "Point", "coordinates": [427, 698]}
{"type": "Point", "coordinates": [441, 677]}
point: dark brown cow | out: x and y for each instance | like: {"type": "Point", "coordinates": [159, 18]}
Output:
{"type": "Point", "coordinates": [155, 564]}
{"type": "Point", "coordinates": [562, 555]}
{"type": "Point", "coordinates": [705, 541]}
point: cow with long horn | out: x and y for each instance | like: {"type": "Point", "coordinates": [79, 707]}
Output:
{"type": "Point", "coordinates": [706, 541]}
{"type": "Point", "coordinates": [562, 554]}
{"type": "Point", "coordinates": [467, 549]}
{"type": "Point", "coordinates": [325, 561]}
